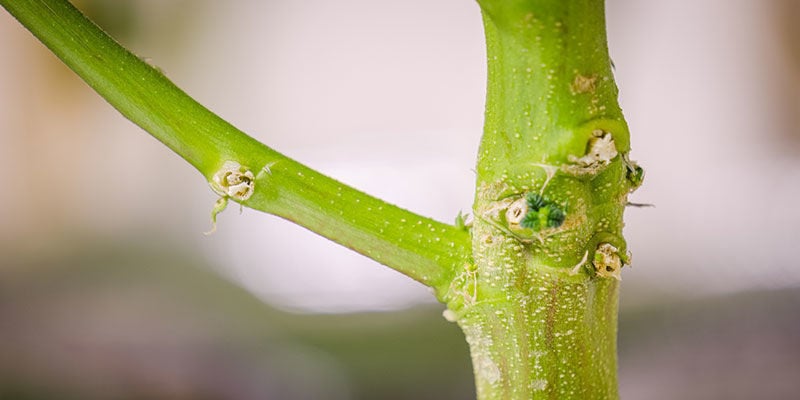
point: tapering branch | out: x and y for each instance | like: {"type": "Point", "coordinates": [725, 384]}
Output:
{"type": "Point", "coordinates": [237, 166]}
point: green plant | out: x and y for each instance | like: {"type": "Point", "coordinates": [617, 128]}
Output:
{"type": "Point", "coordinates": [533, 279]}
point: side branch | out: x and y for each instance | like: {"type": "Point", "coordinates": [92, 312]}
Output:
{"type": "Point", "coordinates": [419, 247]}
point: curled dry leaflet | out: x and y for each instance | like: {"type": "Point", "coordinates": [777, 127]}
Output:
{"type": "Point", "coordinates": [232, 181]}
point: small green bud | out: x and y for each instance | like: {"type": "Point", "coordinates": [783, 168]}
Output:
{"type": "Point", "coordinates": [535, 201]}
{"type": "Point", "coordinates": [542, 213]}
{"type": "Point", "coordinates": [635, 175]}
{"type": "Point", "coordinates": [463, 222]}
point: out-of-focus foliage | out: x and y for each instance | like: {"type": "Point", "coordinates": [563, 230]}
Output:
{"type": "Point", "coordinates": [121, 321]}
{"type": "Point", "coordinates": [137, 320]}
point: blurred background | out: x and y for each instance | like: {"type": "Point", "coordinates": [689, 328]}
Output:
{"type": "Point", "coordinates": [109, 289]}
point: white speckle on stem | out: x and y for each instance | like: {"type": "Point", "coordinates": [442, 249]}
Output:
{"type": "Point", "coordinates": [449, 315]}
{"type": "Point", "coordinates": [480, 348]}
{"type": "Point", "coordinates": [583, 84]}
{"type": "Point", "coordinates": [538, 385]}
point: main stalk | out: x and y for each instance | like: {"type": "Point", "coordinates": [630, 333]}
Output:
{"type": "Point", "coordinates": [538, 302]}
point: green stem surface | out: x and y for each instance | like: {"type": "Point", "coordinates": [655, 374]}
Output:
{"type": "Point", "coordinates": [533, 284]}
{"type": "Point", "coordinates": [539, 304]}
{"type": "Point", "coordinates": [424, 249]}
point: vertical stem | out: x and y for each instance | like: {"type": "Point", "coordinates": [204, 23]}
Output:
{"type": "Point", "coordinates": [539, 303]}
{"type": "Point", "coordinates": [554, 340]}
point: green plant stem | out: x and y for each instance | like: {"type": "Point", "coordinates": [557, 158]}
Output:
{"type": "Point", "coordinates": [419, 247]}
{"type": "Point", "coordinates": [533, 283]}
{"type": "Point", "coordinates": [539, 305]}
